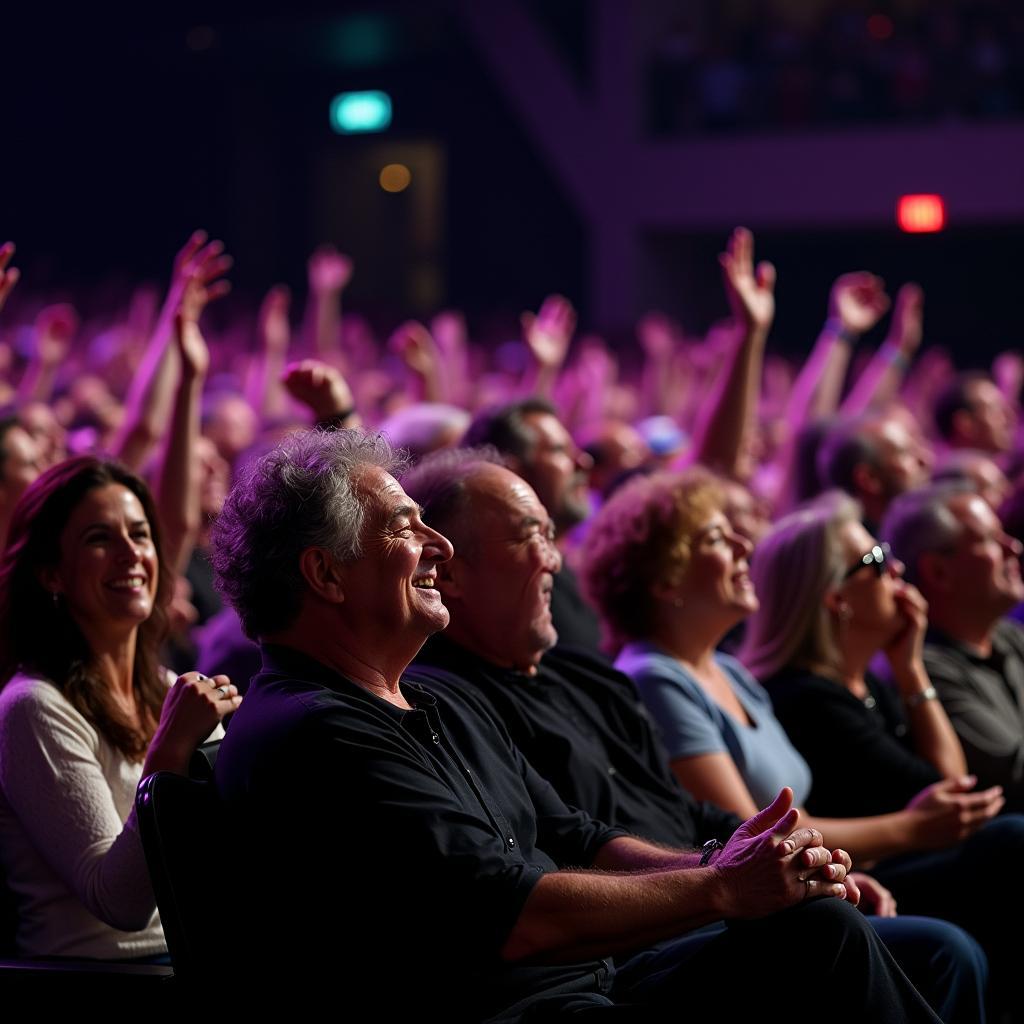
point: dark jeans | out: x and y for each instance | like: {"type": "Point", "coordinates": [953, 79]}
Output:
{"type": "Point", "coordinates": [974, 885]}
{"type": "Point", "coordinates": [821, 958]}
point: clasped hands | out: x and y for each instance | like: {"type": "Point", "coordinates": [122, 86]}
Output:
{"type": "Point", "coordinates": [769, 864]}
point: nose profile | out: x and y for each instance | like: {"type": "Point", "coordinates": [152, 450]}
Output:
{"type": "Point", "coordinates": [436, 546]}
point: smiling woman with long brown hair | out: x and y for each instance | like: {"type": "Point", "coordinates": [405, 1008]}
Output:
{"type": "Point", "coordinates": [85, 709]}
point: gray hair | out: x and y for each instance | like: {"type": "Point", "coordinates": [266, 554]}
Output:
{"type": "Point", "coordinates": [793, 566]}
{"type": "Point", "coordinates": [921, 521]}
{"type": "Point", "coordinates": [297, 496]}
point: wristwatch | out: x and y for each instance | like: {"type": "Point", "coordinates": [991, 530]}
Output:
{"type": "Point", "coordinates": [708, 849]}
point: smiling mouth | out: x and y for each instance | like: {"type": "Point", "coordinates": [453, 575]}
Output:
{"type": "Point", "coordinates": [424, 583]}
{"type": "Point", "coordinates": [128, 583]}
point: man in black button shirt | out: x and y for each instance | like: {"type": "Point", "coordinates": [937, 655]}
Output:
{"type": "Point", "coordinates": [401, 853]}
{"type": "Point", "coordinates": [578, 721]}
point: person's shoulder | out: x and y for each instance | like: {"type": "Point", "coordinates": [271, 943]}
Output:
{"type": "Point", "coordinates": [642, 661]}
{"type": "Point", "coordinates": [27, 695]}
{"type": "Point", "coordinates": [32, 703]}
{"type": "Point", "coordinates": [1010, 633]}
{"type": "Point", "coordinates": [741, 677]}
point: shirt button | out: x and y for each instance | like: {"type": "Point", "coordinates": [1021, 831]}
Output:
{"type": "Point", "coordinates": [435, 737]}
{"type": "Point", "coordinates": [511, 841]}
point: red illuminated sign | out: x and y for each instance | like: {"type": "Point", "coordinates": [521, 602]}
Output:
{"type": "Point", "coordinates": [921, 213]}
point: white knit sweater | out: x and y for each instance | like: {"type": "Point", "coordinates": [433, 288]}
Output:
{"type": "Point", "coordinates": [68, 836]}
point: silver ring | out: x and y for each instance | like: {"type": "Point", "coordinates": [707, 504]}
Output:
{"type": "Point", "coordinates": [223, 691]}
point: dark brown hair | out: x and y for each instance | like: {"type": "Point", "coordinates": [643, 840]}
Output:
{"type": "Point", "coordinates": [39, 636]}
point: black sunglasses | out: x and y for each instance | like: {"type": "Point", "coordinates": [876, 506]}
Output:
{"type": "Point", "coordinates": [877, 558]}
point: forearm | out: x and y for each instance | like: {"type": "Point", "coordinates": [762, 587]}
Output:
{"type": "Point", "coordinates": [933, 735]}
{"type": "Point", "coordinates": [629, 853]}
{"type": "Point", "coordinates": [149, 399]}
{"type": "Point", "coordinates": [879, 382]}
{"type": "Point", "coordinates": [731, 410]}
{"type": "Point", "coordinates": [867, 839]}
{"type": "Point", "coordinates": [177, 492]}
{"type": "Point", "coordinates": [37, 383]}
{"type": "Point", "coordinates": [819, 384]}
{"type": "Point", "coordinates": [571, 916]}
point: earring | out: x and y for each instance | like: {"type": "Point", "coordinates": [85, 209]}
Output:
{"type": "Point", "coordinates": [56, 598]}
{"type": "Point", "coordinates": [845, 613]}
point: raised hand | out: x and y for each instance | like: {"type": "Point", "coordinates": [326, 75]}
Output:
{"type": "Point", "coordinates": [548, 333]}
{"type": "Point", "coordinates": [947, 811]}
{"type": "Point", "coordinates": [751, 291]}
{"type": "Point", "coordinates": [55, 326]}
{"type": "Point", "coordinates": [329, 270]}
{"type": "Point", "coordinates": [8, 275]}
{"type": "Point", "coordinates": [858, 301]}
{"type": "Point", "coordinates": [193, 707]}
{"type": "Point", "coordinates": [413, 344]}
{"type": "Point", "coordinates": [904, 651]}
{"type": "Point", "coordinates": [274, 328]}
{"type": "Point", "coordinates": [907, 326]}
{"type": "Point", "coordinates": [319, 386]}
{"type": "Point", "coordinates": [767, 866]}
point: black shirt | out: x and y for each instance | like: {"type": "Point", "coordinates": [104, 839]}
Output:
{"type": "Point", "coordinates": [392, 848]}
{"type": "Point", "coordinates": [859, 751]}
{"type": "Point", "coordinates": [574, 620]}
{"type": "Point", "coordinates": [582, 726]}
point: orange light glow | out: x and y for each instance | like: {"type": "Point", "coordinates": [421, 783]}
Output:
{"type": "Point", "coordinates": [921, 213]}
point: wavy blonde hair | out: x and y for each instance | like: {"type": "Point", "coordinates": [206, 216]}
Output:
{"type": "Point", "coordinates": [792, 568]}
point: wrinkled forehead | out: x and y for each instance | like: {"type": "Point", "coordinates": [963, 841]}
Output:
{"type": "Point", "coordinates": [498, 494]}
{"type": "Point", "coordinates": [379, 492]}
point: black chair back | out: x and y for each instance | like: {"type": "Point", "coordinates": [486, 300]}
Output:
{"type": "Point", "coordinates": [186, 846]}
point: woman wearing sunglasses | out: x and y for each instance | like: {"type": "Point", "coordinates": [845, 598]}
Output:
{"type": "Point", "coordinates": [832, 602]}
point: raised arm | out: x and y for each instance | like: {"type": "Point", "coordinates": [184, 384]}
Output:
{"type": "Point", "coordinates": [547, 335]}
{"type": "Point", "coordinates": [882, 377]}
{"type": "Point", "coordinates": [152, 392]}
{"type": "Point", "coordinates": [177, 491]}
{"type": "Point", "coordinates": [730, 412]}
{"type": "Point", "coordinates": [264, 391]}
{"type": "Point", "coordinates": [329, 274]}
{"type": "Point", "coordinates": [55, 328]}
{"type": "Point", "coordinates": [413, 344]}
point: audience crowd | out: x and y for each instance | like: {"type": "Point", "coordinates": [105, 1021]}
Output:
{"type": "Point", "coordinates": [625, 670]}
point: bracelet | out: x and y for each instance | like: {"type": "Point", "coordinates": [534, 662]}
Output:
{"type": "Point", "coordinates": [834, 326]}
{"type": "Point", "coordinates": [927, 694]}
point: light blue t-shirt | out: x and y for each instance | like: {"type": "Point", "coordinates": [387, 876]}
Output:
{"type": "Point", "coordinates": [691, 723]}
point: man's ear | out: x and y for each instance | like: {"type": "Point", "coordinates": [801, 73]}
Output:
{"type": "Point", "coordinates": [450, 575]}
{"type": "Point", "coordinates": [934, 573]}
{"type": "Point", "coordinates": [323, 574]}
{"type": "Point", "coordinates": [865, 479]}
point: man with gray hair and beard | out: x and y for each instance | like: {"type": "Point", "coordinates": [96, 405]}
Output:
{"type": "Point", "coordinates": [959, 556]}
